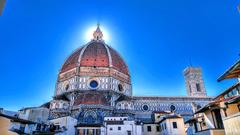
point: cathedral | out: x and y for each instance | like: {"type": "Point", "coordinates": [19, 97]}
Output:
{"type": "Point", "coordinates": [94, 82]}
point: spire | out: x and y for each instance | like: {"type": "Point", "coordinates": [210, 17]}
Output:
{"type": "Point", "coordinates": [97, 34]}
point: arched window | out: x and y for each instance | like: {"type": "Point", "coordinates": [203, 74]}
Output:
{"type": "Point", "coordinates": [67, 87]}
{"type": "Point", "coordinates": [120, 87]}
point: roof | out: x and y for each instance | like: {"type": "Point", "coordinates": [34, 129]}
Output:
{"type": "Point", "coordinates": [175, 98]}
{"type": "Point", "coordinates": [61, 97]}
{"type": "Point", "coordinates": [95, 54]}
{"type": "Point", "coordinates": [161, 112]}
{"type": "Point", "coordinates": [206, 107]}
{"type": "Point", "coordinates": [232, 72]}
{"type": "Point", "coordinates": [170, 116]}
{"type": "Point", "coordinates": [124, 98]}
{"type": "Point", "coordinates": [8, 113]}
{"type": "Point", "coordinates": [46, 105]}
{"type": "Point", "coordinates": [234, 100]}
{"type": "Point", "coordinates": [147, 120]}
{"type": "Point", "coordinates": [117, 122]}
{"type": "Point", "coordinates": [16, 119]}
{"type": "Point", "coordinates": [192, 119]}
{"type": "Point", "coordinates": [61, 117]}
{"type": "Point", "coordinates": [213, 104]}
{"type": "Point", "coordinates": [228, 90]}
{"type": "Point", "coordinates": [27, 108]}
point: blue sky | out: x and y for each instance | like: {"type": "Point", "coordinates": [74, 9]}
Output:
{"type": "Point", "coordinates": [157, 39]}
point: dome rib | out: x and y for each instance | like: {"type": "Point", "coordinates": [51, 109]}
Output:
{"type": "Point", "coordinates": [109, 55]}
{"type": "Point", "coordinates": [81, 53]}
{"type": "Point", "coordinates": [117, 62]}
{"type": "Point", "coordinates": [71, 61]}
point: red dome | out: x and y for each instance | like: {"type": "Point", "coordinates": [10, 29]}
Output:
{"type": "Point", "coordinates": [95, 54]}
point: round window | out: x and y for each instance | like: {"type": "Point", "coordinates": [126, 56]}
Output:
{"type": "Point", "coordinates": [93, 84]}
{"type": "Point", "coordinates": [145, 107]}
{"type": "Point", "coordinates": [120, 87]}
{"type": "Point", "coordinates": [173, 108]}
{"type": "Point", "coordinates": [199, 106]}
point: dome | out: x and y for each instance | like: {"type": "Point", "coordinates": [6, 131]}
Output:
{"type": "Point", "coordinates": [94, 66]}
{"type": "Point", "coordinates": [95, 54]}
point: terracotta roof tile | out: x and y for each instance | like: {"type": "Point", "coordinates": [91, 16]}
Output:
{"type": "Point", "coordinates": [95, 55]}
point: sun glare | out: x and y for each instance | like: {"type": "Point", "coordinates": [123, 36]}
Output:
{"type": "Point", "coordinates": [90, 30]}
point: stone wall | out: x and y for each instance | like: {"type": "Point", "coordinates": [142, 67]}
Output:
{"type": "Point", "coordinates": [232, 124]}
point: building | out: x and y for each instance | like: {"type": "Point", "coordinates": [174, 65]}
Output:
{"type": "Point", "coordinates": [12, 124]}
{"type": "Point", "coordinates": [165, 123]}
{"type": "Point", "coordinates": [32, 120]}
{"type": "Point", "coordinates": [172, 124]}
{"type": "Point", "coordinates": [208, 120]}
{"type": "Point", "coordinates": [64, 125]}
{"type": "Point", "coordinates": [230, 101]}
{"type": "Point", "coordinates": [151, 128]}
{"type": "Point", "coordinates": [34, 114]}
{"type": "Point", "coordinates": [222, 115]}
{"type": "Point", "coordinates": [157, 116]}
{"type": "Point", "coordinates": [194, 82]}
{"type": "Point", "coordinates": [122, 126]}
{"type": "Point", "coordinates": [5, 122]}
{"type": "Point", "coordinates": [94, 83]}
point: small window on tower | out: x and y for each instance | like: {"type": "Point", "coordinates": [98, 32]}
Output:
{"type": "Point", "coordinates": [199, 106]}
{"type": "Point", "coordinates": [198, 87]}
{"type": "Point", "coordinates": [67, 87]}
{"type": "Point", "coordinates": [149, 129]}
{"type": "Point", "coordinates": [172, 108]}
{"type": "Point", "coordinates": [120, 87]}
{"type": "Point", "coordinates": [157, 128]}
{"type": "Point", "coordinates": [190, 89]}
{"type": "Point", "coordinates": [174, 124]}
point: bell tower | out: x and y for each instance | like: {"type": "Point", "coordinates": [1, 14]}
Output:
{"type": "Point", "coordinates": [194, 82]}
